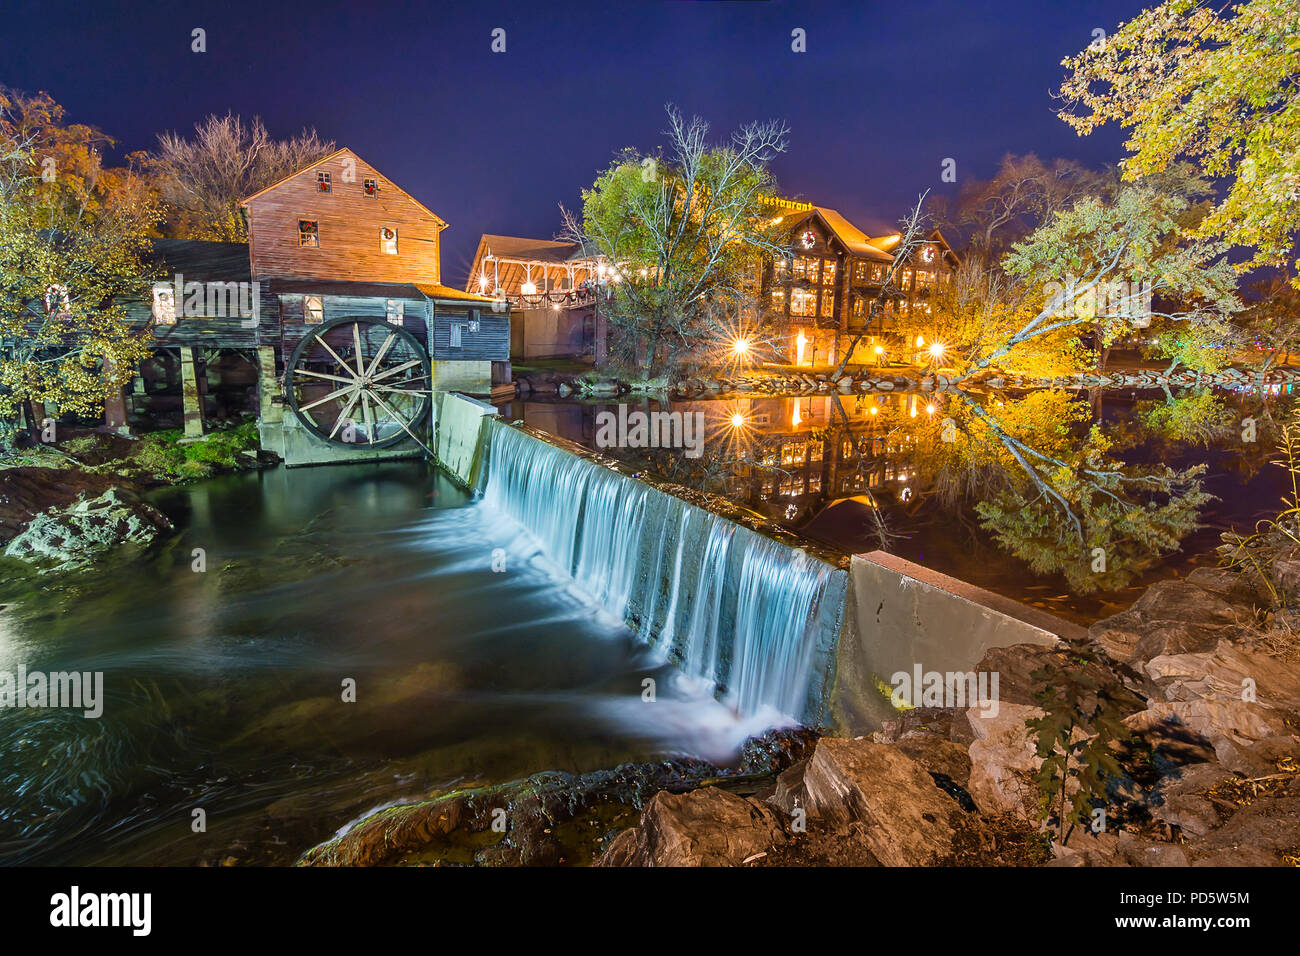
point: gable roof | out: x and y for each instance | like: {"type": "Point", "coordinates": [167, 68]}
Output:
{"type": "Point", "coordinates": [517, 247]}
{"type": "Point", "coordinates": [850, 236]}
{"type": "Point", "coordinates": [338, 152]}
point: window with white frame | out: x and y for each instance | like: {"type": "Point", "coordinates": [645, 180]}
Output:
{"type": "Point", "coordinates": [388, 240]}
{"type": "Point", "coordinates": [395, 309]}
{"type": "Point", "coordinates": [313, 309]}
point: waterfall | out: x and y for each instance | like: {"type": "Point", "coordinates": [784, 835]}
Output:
{"type": "Point", "coordinates": [725, 603]}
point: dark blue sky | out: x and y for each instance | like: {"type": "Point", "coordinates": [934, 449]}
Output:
{"type": "Point", "coordinates": [492, 142]}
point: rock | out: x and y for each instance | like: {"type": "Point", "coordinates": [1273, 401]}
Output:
{"type": "Point", "coordinates": [1139, 852]}
{"type": "Point", "coordinates": [1180, 800]}
{"type": "Point", "coordinates": [88, 530]}
{"type": "Point", "coordinates": [1258, 834]}
{"type": "Point", "coordinates": [937, 755]}
{"type": "Point", "coordinates": [709, 827]}
{"type": "Point", "coordinates": [1003, 760]}
{"type": "Point", "coordinates": [909, 820]}
{"type": "Point", "coordinates": [1231, 726]}
{"type": "Point", "coordinates": [1171, 617]}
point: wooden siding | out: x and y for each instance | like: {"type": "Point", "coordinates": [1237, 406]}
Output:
{"type": "Point", "coordinates": [293, 328]}
{"type": "Point", "coordinates": [491, 343]}
{"type": "Point", "coordinates": [348, 225]}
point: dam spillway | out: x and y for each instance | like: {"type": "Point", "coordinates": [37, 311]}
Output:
{"type": "Point", "coordinates": [754, 616]}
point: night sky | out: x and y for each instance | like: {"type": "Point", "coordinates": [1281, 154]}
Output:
{"type": "Point", "coordinates": [492, 142]}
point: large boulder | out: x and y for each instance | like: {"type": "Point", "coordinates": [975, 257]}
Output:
{"type": "Point", "coordinates": [1004, 760]}
{"type": "Point", "coordinates": [908, 820]}
{"type": "Point", "coordinates": [708, 827]}
{"type": "Point", "coordinates": [1171, 617]}
{"type": "Point", "coordinates": [87, 530]}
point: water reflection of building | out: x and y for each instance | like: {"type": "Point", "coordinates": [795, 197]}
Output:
{"type": "Point", "coordinates": [792, 457]}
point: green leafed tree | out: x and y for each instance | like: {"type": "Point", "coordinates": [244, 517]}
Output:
{"type": "Point", "coordinates": [1104, 268]}
{"type": "Point", "coordinates": [684, 232]}
{"type": "Point", "coordinates": [72, 252]}
{"type": "Point", "coordinates": [1218, 87]}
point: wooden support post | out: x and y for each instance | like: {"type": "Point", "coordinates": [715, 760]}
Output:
{"type": "Point", "coordinates": [115, 411]}
{"type": "Point", "coordinates": [268, 386]}
{"type": "Point", "coordinates": [191, 396]}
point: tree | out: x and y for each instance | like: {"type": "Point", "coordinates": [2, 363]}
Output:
{"type": "Point", "coordinates": [684, 233]}
{"type": "Point", "coordinates": [73, 248]}
{"type": "Point", "coordinates": [204, 179]}
{"type": "Point", "coordinates": [1103, 268]}
{"type": "Point", "coordinates": [1214, 86]}
{"type": "Point", "coordinates": [1025, 191]}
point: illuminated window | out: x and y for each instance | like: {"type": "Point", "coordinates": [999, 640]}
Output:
{"type": "Point", "coordinates": [924, 279]}
{"type": "Point", "coordinates": [369, 188]}
{"type": "Point", "coordinates": [814, 483]}
{"type": "Point", "coordinates": [828, 272]}
{"type": "Point", "coordinates": [803, 302]}
{"type": "Point", "coordinates": [323, 181]}
{"type": "Point", "coordinates": [828, 303]}
{"type": "Point", "coordinates": [388, 240]}
{"type": "Point", "coordinates": [164, 304]}
{"type": "Point", "coordinates": [878, 272]}
{"type": "Point", "coordinates": [395, 310]}
{"type": "Point", "coordinates": [859, 307]}
{"type": "Point", "coordinates": [815, 451]}
{"type": "Point", "coordinates": [308, 233]}
{"type": "Point", "coordinates": [778, 300]}
{"type": "Point", "coordinates": [313, 309]}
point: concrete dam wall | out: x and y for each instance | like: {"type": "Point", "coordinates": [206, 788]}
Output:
{"type": "Point", "coordinates": [779, 626]}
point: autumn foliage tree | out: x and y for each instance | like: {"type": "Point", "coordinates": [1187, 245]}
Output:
{"type": "Point", "coordinates": [73, 248]}
{"type": "Point", "coordinates": [1217, 87]}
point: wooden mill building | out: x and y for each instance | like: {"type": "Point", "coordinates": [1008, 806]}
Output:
{"type": "Point", "coordinates": [334, 241]}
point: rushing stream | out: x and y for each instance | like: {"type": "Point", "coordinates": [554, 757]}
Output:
{"type": "Point", "coordinates": [476, 660]}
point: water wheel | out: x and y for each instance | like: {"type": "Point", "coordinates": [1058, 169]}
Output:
{"type": "Point", "coordinates": [359, 381]}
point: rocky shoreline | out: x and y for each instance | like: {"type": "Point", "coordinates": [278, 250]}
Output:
{"type": "Point", "coordinates": [1208, 687]}
{"type": "Point", "coordinates": [778, 381]}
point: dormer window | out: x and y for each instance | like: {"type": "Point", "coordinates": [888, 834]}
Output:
{"type": "Point", "coordinates": [323, 180]}
{"type": "Point", "coordinates": [388, 240]}
{"type": "Point", "coordinates": [369, 188]}
{"type": "Point", "coordinates": [308, 233]}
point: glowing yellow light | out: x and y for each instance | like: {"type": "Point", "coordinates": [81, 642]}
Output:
{"type": "Point", "coordinates": [795, 417]}
{"type": "Point", "coordinates": [920, 341]}
{"type": "Point", "coordinates": [929, 409]}
{"type": "Point", "coordinates": [880, 350]}
{"type": "Point", "coordinates": [528, 288]}
{"type": "Point", "coordinates": [482, 282]}
{"type": "Point", "coordinates": [937, 349]}
{"type": "Point", "coordinates": [874, 410]}
{"type": "Point", "coordinates": [740, 347]}
{"type": "Point", "coordinates": [737, 420]}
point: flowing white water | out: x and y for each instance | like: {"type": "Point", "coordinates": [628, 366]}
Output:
{"type": "Point", "coordinates": [728, 605]}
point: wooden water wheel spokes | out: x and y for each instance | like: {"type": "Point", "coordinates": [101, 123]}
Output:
{"type": "Point", "coordinates": [360, 381]}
